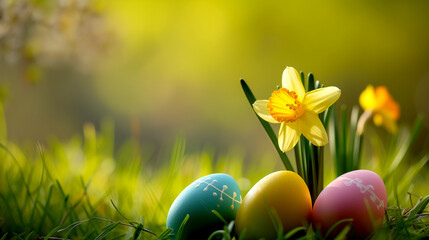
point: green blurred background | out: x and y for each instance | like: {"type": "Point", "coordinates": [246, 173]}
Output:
{"type": "Point", "coordinates": [158, 68]}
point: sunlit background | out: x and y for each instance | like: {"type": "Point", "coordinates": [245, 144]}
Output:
{"type": "Point", "coordinates": [160, 68]}
{"type": "Point", "coordinates": [128, 102]}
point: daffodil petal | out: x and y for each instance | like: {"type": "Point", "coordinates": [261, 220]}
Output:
{"type": "Point", "coordinates": [386, 102]}
{"type": "Point", "coordinates": [288, 136]}
{"type": "Point", "coordinates": [260, 107]}
{"type": "Point", "coordinates": [367, 98]}
{"type": "Point", "coordinates": [320, 99]}
{"type": "Point", "coordinates": [390, 124]}
{"type": "Point", "coordinates": [313, 129]}
{"type": "Point", "coordinates": [384, 118]}
{"type": "Point", "coordinates": [292, 81]}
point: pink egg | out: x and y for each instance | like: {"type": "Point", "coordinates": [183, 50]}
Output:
{"type": "Point", "coordinates": [359, 195]}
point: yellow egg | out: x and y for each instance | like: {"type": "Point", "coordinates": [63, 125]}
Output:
{"type": "Point", "coordinates": [285, 194]}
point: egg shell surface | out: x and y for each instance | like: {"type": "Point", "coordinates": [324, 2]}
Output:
{"type": "Point", "coordinates": [360, 195]}
{"type": "Point", "coordinates": [282, 192]}
{"type": "Point", "coordinates": [218, 192]}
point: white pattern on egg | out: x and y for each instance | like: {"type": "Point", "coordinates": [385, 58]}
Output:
{"type": "Point", "coordinates": [222, 192]}
{"type": "Point", "coordinates": [363, 189]}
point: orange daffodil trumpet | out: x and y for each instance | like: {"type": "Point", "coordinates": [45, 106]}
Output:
{"type": "Point", "coordinates": [297, 111]}
{"type": "Point", "coordinates": [378, 104]}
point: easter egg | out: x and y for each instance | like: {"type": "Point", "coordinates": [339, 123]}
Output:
{"type": "Point", "coordinates": [359, 195]}
{"type": "Point", "coordinates": [218, 192]}
{"type": "Point", "coordinates": [282, 193]}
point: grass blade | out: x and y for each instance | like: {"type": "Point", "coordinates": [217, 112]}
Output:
{"type": "Point", "coordinates": [4, 237]}
{"type": "Point", "coordinates": [419, 208]}
{"type": "Point", "coordinates": [275, 219]}
{"type": "Point", "coordinates": [45, 209]}
{"type": "Point", "coordinates": [215, 233]}
{"type": "Point", "coordinates": [353, 140]}
{"type": "Point", "coordinates": [293, 232]}
{"type": "Point", "coordinates": [343, 234]}
{"type": "Point", "coordinates": [182, 226]}
{"type": "Point", "coordinates": [109, 228]}
{"type": "Point", "coordinates": [52, 232]}
{"type": "Point", "coordinates": [29, 235]}
{"type": "Point", "coordinates": [36, 200]}
{"type": "Point", "coordinates": [219, 216]}
{"type": "Point", "coordinates": [404, 150]}
{"type": "Point", "coordinates": [165, 234]}
{"type": "Point", "coordinates": [336, 225]}
{"type": "Point", "coordinates": [343, 150]}
{"type": "Point", "coordinates": [117, 210]}
{"type": "Point", "coordinates": [18, 236]}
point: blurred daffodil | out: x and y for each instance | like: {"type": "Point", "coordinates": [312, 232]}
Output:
{"type": "Point", "coordinates": [378, 104]}
{"type": "Point", "coordinates": [297, 111]}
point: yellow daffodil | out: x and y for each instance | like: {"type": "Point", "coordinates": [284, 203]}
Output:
{"type": "Point", "coordinates": [297, 111]}
{"type": "Point", "coordinates": [378, 104]}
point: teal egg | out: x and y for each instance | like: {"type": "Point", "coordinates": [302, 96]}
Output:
{"type": "Point", "coordinates": [218, 192]}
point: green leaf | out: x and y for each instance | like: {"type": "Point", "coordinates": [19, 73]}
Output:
{"type": "Point", "coordinates": [267, 127]}
{"type": "Point", "coordinates": [327, 116]}
{"type": "Point", "coordinates": [317, 84]}
{"type": "Point", "coordinates": [311, 85]}
{"type": "Point", "coordinates": [304, 83]}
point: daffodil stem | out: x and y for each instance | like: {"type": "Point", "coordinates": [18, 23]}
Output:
{"type": "Point", "coordinates": [314, 162]}
{"type": "Point", "coordinates": [306, 161]}
{"type": "Point", "coordinates": [320, 169]}
{"type": "Point", "coordinates": [267, 127]}
{"type": "Point", "coordinates": [298, 159]}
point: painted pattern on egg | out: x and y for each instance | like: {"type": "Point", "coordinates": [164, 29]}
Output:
{"type": "Point", "coordinates": [222, 192]}
{"type": "Point", "coordinates": [363, 189]}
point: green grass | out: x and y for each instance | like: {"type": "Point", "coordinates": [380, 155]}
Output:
{"type": "Point", "coordinates": [87, 188]}
{"type": "Point", "coordinates": [83, 188]}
